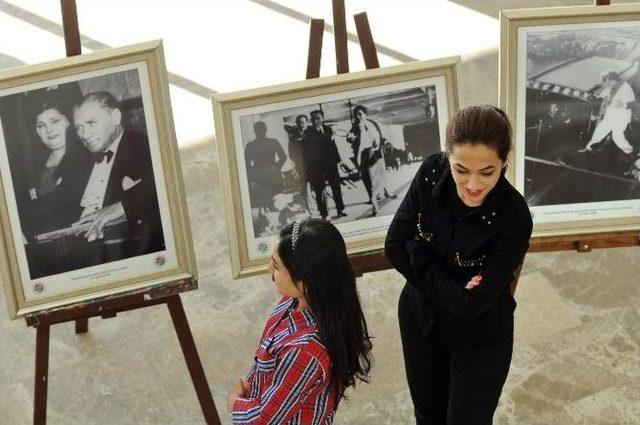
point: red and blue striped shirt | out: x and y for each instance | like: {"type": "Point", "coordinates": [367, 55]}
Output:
{"type": "Point", "coordinates": [290, 377]}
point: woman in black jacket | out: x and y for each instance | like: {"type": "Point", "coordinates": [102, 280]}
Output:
{"type": "Point", "coordinates": [458, 238]}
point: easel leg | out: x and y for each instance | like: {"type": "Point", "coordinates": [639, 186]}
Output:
{"type": "Point", "coordinates": [82, 325]}
{"type": "Point", "coordinates": [192, 358]}
{"type": "Point", "coordinates": [42, 375]}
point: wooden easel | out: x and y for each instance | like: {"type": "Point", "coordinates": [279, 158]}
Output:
{"type": "Point", "coordinates": [110, 306]}
{"type": "Point", "coordinates": [376, 260]}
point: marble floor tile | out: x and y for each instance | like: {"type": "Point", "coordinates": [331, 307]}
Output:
{"type": "Point", "coordinates": [534, 321]}
{"type": "Point", "coordinates": [619, 405]}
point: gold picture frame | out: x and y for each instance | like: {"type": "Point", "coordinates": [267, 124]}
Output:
{"type": "Point", "coordinates": [553, 62]}
{"type": "Point", "coordinates": [47, 262]}
{"type": "Point", "coordinates": [392, 97]}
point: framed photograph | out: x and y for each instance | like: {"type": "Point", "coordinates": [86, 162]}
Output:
{"type": "Point", "coordinates": [570, 82]}
{"type": "Point", "coordinates": [92, 200]}
{"type": "Point", "coordinates": [342, 148]}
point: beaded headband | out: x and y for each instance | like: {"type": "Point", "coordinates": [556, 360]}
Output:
{"type": "Point", "coordinates": [294, 234]}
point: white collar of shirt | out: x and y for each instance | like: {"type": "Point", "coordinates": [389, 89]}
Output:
{"type": "Point", "coordinates": [93, 198]}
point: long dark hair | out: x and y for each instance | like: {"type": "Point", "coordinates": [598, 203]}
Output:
{"type": "Point", "coordinates": [319, 259]}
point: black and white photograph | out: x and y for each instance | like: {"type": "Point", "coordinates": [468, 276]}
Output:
{"type": "Point", "coordinates": [82, 173]}
{"type": "Point", "coordinates": [342, 149]}
{"type": "Point", "coordinates": [85, 145]}
{"type": "Point", "coordinates": [343, 160]}
{"type": "Point", "coordinates": [582, 139]}
{"type": "Point", "coordinates": [570, 82]}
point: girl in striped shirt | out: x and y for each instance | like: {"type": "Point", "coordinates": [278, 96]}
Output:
{"type": "Point", "coordinates": [315, 344]}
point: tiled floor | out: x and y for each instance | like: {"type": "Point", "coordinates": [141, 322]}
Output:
{"type": "Point", "coordinates": [577, 349]}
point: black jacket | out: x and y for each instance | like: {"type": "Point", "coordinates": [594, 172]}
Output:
{"type": "Point", "coordinates": [491, 240]}
{"type": "Point", "coordinates": [320, 153]}
{"type": "Point", "coordinates": [132, 182]}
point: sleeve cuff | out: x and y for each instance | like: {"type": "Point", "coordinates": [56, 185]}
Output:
{"type": "Point", "coordinates": [245, 410]}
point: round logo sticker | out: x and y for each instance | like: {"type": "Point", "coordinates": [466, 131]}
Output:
{"type": "Point", "coordinates": [160, 260]}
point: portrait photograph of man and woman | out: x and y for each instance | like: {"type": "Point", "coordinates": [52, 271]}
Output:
{"type": "Point", "coordinates": [82, 173]}
{"type": "Point", "coordinates": [344, 160]}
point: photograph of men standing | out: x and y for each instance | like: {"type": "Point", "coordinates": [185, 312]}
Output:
{"type": "Point", "coordinates": [359, 152]}
{"type": "Point", "coordinates": [121, 187]}
{"type": "Point", "coordinates": [322, 159]}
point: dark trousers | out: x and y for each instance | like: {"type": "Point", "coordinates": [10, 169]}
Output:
{"type": "Point", "coordinates": [449, 386]}
{"type": "Point", "coordinates": [364, 172]}
{"type": "Point", "coordinates": [302, 186]}
{"type": "Point", "coordinates": [318, 185]}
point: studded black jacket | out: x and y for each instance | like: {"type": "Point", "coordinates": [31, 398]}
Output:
{"type": "Point", "coordinates": [438, 252]}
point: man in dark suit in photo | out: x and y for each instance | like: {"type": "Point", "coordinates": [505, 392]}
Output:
{"type": "Point", "coordinates": [120, 196]}
{"type": "Point", "coordinates": [297, 139]}
{"type": "Point", "coordinates": [321, 160]}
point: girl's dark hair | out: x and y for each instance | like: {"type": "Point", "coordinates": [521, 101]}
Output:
{"type": "Point", "coordinates": [320, 261]}
{"type": "Point", "coordinates": [480, 125]}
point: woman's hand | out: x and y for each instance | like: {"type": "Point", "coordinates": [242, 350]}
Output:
{"type": "Point", "coordinates": [237, 390]}
{"type": "Point", "coordinates": [474, 282]}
